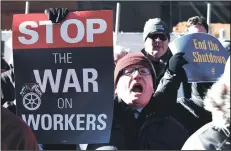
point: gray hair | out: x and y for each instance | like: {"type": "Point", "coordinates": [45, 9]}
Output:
{"type": "Point", "coordinates": [119, 52]}
{"type": "Point", "coordinates": [119, 49]}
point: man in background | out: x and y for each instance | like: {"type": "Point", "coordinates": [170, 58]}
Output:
{"type": "Point", "coordinates": [191, 95]}
{"type": "Point", "coordinates": [197, 24]}
{"type": "Point", "coordinates": [156, 37]}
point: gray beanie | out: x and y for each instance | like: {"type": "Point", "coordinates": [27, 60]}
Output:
{"type": "Point", "coordinates": [155, 25]}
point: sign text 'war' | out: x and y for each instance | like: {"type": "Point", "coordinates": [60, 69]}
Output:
{"type": "Point", "coordinates": [89, 76]}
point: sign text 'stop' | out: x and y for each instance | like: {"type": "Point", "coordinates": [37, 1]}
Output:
{"type": "Point", "coordinates": [77, 30]}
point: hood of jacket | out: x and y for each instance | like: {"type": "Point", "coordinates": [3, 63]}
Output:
{"type": "Point", "coordinates": [217, 101]}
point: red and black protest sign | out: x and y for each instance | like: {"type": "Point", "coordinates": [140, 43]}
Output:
{"type": "Point", "coordinates": [64, 76]}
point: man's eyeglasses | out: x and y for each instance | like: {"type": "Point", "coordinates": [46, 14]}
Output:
{"type": "Point", "coordinates": [131, 71]}
{"type": "Point", "coordinates": [162, 37]}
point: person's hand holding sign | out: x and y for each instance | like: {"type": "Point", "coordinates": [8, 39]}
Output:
{"type": "Point", "coordinates": [56, 15]}
{"type": "Point", "coordinates": [176, 62]}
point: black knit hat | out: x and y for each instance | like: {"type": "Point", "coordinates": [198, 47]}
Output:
{"type": "Point", "coordinates": [155, 25]}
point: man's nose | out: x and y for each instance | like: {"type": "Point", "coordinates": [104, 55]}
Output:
{"type": "Point", "coordinates": [158, 39]}
{"type": "Point", "coordinates": [136, 74]}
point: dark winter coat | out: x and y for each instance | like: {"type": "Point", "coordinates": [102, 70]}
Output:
{"type": "Point", "coordinates": [154, 129]}
{"type": "Point", "coordinates": [188, 108]}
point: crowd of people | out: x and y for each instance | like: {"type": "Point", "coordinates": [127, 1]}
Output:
{"type": "Point", "coordinates": [155, 108]}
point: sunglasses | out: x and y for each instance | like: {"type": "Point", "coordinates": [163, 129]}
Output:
{"type": "Point", "coordinates": [162, 37]}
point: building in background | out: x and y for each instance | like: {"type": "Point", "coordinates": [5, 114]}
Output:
{"type": "Point", "coordinates": [132, 17]}
{"type": "Point", "coordinates": [133, 14]}
{"type": "Point", "coordinates": [174, 13]}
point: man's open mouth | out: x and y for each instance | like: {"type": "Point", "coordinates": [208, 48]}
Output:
{"type": "Point", "coordinates": [137, 88]}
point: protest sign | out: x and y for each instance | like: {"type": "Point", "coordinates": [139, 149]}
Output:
{"type": "Point", "coordinates": [205, 55]}
{"type": "Point", "coordinates": [64, 76]}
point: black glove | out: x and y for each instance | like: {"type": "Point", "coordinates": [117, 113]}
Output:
{"type": "Point", "coordinates": [56, 15]}
{"type": "Point", "coordinates": [176, 62]}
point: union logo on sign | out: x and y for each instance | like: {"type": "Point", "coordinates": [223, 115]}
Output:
{"type": "Point", "coordinates": [31, 101]}
{"type": "Point", "coordinates": [31, 96]}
